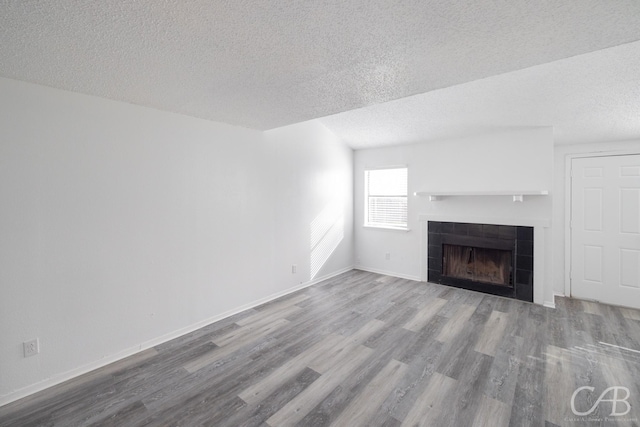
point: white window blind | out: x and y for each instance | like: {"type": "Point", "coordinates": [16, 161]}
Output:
{"type": "Point", "coordinates": [386, 197]}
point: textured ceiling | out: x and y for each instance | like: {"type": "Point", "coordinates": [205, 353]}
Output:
{"type": "Point", "coordinates": [587, 98]}
{"type": "Point", "coordinates": [265, 64]}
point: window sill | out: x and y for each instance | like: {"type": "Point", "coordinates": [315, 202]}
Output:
{"type": "Point", "coordinates": [386, 227]}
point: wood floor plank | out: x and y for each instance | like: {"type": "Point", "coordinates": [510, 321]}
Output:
{"type": "Point", "coordinates": [493, 333]}
{"type": "Point", "coordinates": [457, 323]}
{"type": "Point", "coordinates": [363, 407]}
{"type": "Point", "coordinates": [425, 314]}
{"type": "Point", "coordinates": [342, 348]}
{"type": "Point", "coordinates": [249, 331]}
{"type": "Point", "coordinates": [298, 407]}
{"type": "Point", "coordinates": [505, 305]}
{"type": "Point", "coordinates": [459, 350]}
{"type": "Point", "coordinates": [132, 414]}
{"type": "Point", "coordinates": [485, 307]}
{"type": "Point", "coordinates": [241, 339]}
{"type": "Point", "coordinates": [521, 315]}
{"type": "Point", "coordinates": [468, 393]}
{"type": "Point", "coordinates": [286, 301]}
{"type": "Point", "coordinates": [393, 321]}
{"type": "Point", "coordinates": [264, 387]}
{"type": "Point", "coordinates": [431, 403]}
{"type": "Point", "coordinates": [254, 413]}
{"type": "Point", "coordinates": [503, 376]}
{"type": "Point", "coordinates": [492, 413]}
{"type": "Point", "coordinates": [630, 313]}
{"type": "Point", "coordinates": [591, 307]}
{"type": "Point", "coordinates": [366, 330]}
{"type": "Point", "coordinates": [420, 369]}
{"type": "Point", "coordinates": [559, 383]}
{"type": "Point", "coordinates": [424, 340]}
{"type": "Point", "coordinates": [526, 409]}
{"type": "Point", "coordinates": [270, 315]}
{"type": "Point", "coordinates": [450, 308]}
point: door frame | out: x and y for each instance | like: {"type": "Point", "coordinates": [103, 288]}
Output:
{"type": "Point", "coordinates": [568, 199]}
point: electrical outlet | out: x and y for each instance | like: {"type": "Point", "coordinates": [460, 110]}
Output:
{"type": "Point", "coordinates": [387, 256]}
{"type": "Point", "coordinates": [31, 348]}
{"type": "Point", "coordinates": [294, 269]}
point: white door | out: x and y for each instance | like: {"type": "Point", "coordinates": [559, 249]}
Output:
{"type": "Point", "coordinates": [605, 229]}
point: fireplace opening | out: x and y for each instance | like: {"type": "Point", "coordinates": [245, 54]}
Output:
{"type": "Point", "coordinates": [493, 266]}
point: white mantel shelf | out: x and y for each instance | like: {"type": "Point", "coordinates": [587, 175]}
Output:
{"type": "Point", "coordinates": [518, 196]}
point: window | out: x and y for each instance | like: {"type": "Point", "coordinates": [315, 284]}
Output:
{"type": "Point", "coordinates": [385, 198]}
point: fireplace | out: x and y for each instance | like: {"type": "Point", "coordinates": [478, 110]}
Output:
{"type": "Point", "coordinates": [496, 259]}
{"type": "Point", "coordinates": [477, 264]}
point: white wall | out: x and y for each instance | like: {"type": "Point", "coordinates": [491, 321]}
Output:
{"type": "Point", "coordinates": [510, 160]}
{"type": "Point", "coordinates": [313, 201]}
{"type": "Point", "coordinates": [124, 226]}
{"type": "Point", "coordinates": [560, 238]}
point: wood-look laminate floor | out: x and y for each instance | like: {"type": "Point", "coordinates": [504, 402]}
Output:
{"type": "Point", "coordinates": [363, 349]}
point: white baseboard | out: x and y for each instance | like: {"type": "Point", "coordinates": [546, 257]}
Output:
{"type": "Point", "coordinates": [552, 304]}
{"type": "Point", "coordinates": [65, 376]}
{"type": "Point", "coordinates": [388, 273]}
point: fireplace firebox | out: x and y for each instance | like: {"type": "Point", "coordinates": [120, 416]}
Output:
{"type": "Point", "coordinates": [477, 264]}
{"type": "Point", "coordinates": [495, 259]}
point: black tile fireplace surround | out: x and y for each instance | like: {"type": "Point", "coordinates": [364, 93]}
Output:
{"type": "Point", "coordinates": [515, 238]}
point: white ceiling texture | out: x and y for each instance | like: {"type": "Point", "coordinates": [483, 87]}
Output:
{"type": "Point", "coordinates": [374, 72]}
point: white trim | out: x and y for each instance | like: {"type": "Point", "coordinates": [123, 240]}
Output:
{"type": "Point", "coordinates": [377, 168]}
{"type": "Point", "coordinates": [567, 224]}
{"type": "Point", "coordinates": [539, 265]}
{"type": "Point", "coordinates": [552, 304]}
{"type": "Point", "coordinates": [388, 273]}
{"type": "Point", "coordinates": [568, 196]}
{"type": "Point", "coordinates": [424, 248]}
{"type": "Point", "coordinates": [605, 153]}
{"type": "Point", "coordinates": [68, 375]}
{"type": "Point", "coordinates": [367, 196]}
{"type": "Point", "coordinates": [385, 227]}
{"type": "Point", "coordinates": [483, 193]}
